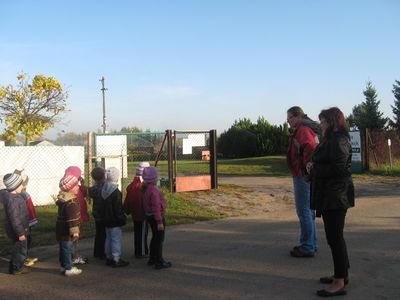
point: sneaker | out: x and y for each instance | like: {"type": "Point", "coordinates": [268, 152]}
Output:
{"type": "Point", "coordinates": [73, 272]}
{"type": "Point", "coordinates": [120, 263]}
{"type": "Point", "coordinates": [30, 261]}
{"type": "Point", "coordinates": [80, 260]}
{"type": "Point", "coordinates": [163, 265]}
{"type": "Point", "coordinates": [298, 252]}
{"type": "Point", "coordinates": [23, 270]}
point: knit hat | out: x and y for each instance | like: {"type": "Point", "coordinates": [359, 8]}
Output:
{"type": "Point", "coordinates": [22, 173]}
{"type": "Point", "coordinates": [12, 181]}
{"type": "Point", "coordinates": [150, 174]}
{"type": "Point", "coordinates": [68, 182]}
{"type": "Point", "coordinates": [74, 171]}
{"type": "Point", "coordinates": [140, 167]}
{"type": "Point", "coordinates": [98, 173]}
{"type": "Point", "coordinates": [112, 174]}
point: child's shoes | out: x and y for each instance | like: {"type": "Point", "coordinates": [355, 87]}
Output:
{"type": "Point", "coordinates": [72, 272]}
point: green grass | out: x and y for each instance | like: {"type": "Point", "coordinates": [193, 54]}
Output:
{"type": "Point", "coordinates": [274, 166]}
{"type": "Point", "coordinates": [386, 169]}
{"type": "Point", "coordinates": [254, 166]}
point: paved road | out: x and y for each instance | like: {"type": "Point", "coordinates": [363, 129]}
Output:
{"type": "Point", "coordinates": [238, 258]}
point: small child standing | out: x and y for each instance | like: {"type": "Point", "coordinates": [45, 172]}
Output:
{"type": "Point", "coordinates": [114, 218]}
{"type": "Point", "coordinates": [17, 223]}
{"type": "Point", "coordinates": [29, 261]}
{"type": "Point", "coordinates": [133, 206]}
{"type": "Point", "coordinates": [68, 221]}
{"type": "Point", "coordinates": [98, 175]}
{"type": "Point", "coordinates": [84, 215]}
{"type": "Point", "coordinates": [154, 206]}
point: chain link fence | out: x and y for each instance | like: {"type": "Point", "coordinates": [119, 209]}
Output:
{"type": "Point", "coordinates": [126, 150]}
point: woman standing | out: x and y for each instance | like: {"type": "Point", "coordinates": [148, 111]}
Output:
{"type": "Point", "coordinates": [332, 193]}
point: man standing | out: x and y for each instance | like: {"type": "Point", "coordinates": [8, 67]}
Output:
{"type": "Point", "coordinates": [302, 142]}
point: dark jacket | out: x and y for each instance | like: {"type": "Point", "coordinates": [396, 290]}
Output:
{"type": "Point", "coordinates": [68, 218]}
{"type": "Point", "coordinates": [17, 217]}
{"type": "Point", "coordinates": [332, 186]}
{"type": "Point", "coordinates": [98, 201]}
{"type": "Point", "coordinates": [113, 213]}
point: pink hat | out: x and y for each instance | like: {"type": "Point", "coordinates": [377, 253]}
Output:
{"type": "Point", "coordinates": [73, 171]}
{"type": "Point", "coordinates": [68, 182]}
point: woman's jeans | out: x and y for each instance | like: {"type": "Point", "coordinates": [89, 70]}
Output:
{"type": "Point", "coordinates": [65, 255]}
{"type": "Point", "coordinates": [113, 243]}
{"type": "Point", "coordinates": [334, 223]}
{"type": "Point", "coordinates": [308, 235]}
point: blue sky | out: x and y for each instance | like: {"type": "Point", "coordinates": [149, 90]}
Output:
{"type": "Point", "coordinates": [202, 64]}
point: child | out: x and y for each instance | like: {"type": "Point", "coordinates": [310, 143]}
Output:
{"type": "Point", "coordinates": [17, 223]}
{"type": "Point", "coordinates": [84, 215]}
{"type": "Point", "coordinates": [133, 206]}
{"type": "Point", "coordinates": [154, 206]}
{"type": "Point", "coordinates": [68, 220]}
{"type": "Point", "coordinates": [29, 261]}
{"type": "Point", "coordinates": [114, 218]}
{"type": "Point", "coordinates": [98, 175]}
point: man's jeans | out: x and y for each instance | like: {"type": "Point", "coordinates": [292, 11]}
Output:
{"type": "Point", "coordinates": [113, 243]}
{"type": "Point", "coordinates": [308, 236]}
{"type": "Point", "coordinates": [66, 255]}
{"type": "Point", "coordinates": [18, 255]}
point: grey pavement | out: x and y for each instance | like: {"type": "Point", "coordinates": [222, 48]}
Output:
{"type": "Point", "coordinates": [237, 258]}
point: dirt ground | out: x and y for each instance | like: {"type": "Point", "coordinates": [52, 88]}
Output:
{"type": "Point", "coordinates": [274, 195]}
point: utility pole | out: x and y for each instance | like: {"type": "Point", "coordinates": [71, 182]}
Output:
{"type": "Point", "coordinates": [103, 89]}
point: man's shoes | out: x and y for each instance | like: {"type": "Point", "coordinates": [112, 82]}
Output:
{"type": "Point", "coordinates": [325, 293]}
{"type": "Point", "coordinates": [329, 279]}
{"type": "Point", "coordinates": [120, 263]}
{"type": "Point", "coordinates": [72, 272]}
{"type": "Point", "coordinates": [297, 252]}
{"type": "Point", "coordinates": [23, 270]}
{"type": "Point", "coordinates": [30, 261]}
{"type": "Point", "coordinates": [163, 265]}
{"type": "Point", "coordinates": [80, 260]}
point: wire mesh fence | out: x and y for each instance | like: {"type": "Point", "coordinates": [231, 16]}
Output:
{"type": "Point", "coordinates": [126, 150]}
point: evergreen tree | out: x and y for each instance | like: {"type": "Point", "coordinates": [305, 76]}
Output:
{"type": "Point", "coordinates": [367, 114]}
{"type": "Point", "coordinates": [395, 123]}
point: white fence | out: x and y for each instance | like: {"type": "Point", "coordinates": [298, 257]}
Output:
{"type": "Point", "coordinates": [44, 165]}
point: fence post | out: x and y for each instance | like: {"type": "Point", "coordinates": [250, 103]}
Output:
{"type": "Point", "coordinates": [89, 157]}
{"type": "Point", "coordinates": [213, 159]}
{"type": "Point", "coordinates": [170, 164]}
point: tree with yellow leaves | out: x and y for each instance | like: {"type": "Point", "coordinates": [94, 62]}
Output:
{"type": "Point", "coordinates": [32, 107]}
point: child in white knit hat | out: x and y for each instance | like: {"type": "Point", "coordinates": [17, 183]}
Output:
{"type": "Point", "coordinates": [114, 218]}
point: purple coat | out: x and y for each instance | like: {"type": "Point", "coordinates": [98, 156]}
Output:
{"type": "Point", "coordinates": [154, 203]}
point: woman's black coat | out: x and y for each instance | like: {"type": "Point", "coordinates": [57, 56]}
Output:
{"type": "Point", "coordinates": [332, 186]}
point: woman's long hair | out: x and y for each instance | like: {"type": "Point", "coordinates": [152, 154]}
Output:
{"type": "Point", "coordinates": [336, 121]}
